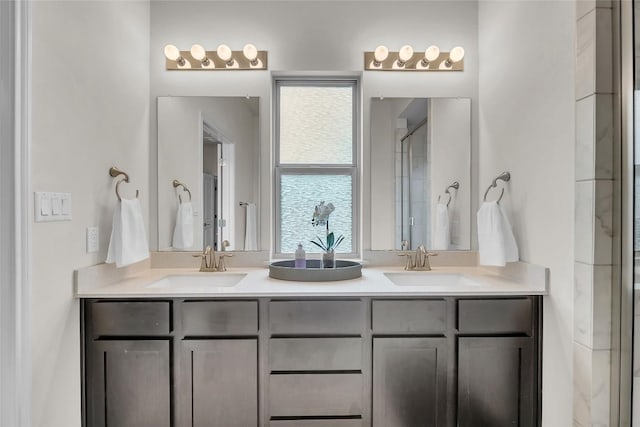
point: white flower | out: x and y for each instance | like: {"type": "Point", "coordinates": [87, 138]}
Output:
{"type": "Point", "coordinates": [321, 213]}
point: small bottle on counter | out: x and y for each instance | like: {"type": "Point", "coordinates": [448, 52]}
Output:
{"type": "Point", "coordinates": [300, 258]}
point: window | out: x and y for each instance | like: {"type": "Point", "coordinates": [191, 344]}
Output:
{"type": "Point", "coordinates": [316, 123]}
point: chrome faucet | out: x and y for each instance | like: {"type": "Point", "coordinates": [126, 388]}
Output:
{"type": "Point", "coordinates": [420, 261]}
{"type": "Point", "coordinates": [209, 262]}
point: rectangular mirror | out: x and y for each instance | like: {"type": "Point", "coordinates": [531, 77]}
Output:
{"type": "Point", "coordinates": [420, 173]}
{"type": "Point", "coordinates": [210, 145]}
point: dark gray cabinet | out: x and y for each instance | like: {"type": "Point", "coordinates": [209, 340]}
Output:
{"type": "Point", "coordinates": [357, 361]}
{"type": "Point", "coordinates": [496, 383]}
{"type": "Point", "coordinates": [128, 383]}
{"type": "Point", "coordinates": [219, 383]}
{"type": "Point", "coordinates": [409, 382]}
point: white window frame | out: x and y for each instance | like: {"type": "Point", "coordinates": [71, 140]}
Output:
{"type": "Point", "coordinates": [319, 169]}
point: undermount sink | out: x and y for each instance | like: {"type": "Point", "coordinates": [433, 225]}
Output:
{"type": "Point", "coordinates": [198, 281]}
{"type": "Point", "coordinates": [429, 278]}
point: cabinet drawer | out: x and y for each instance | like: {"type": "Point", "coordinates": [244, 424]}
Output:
{"type": "Point", "coordinates": [315, 354]}
{"type": "Point", "coordinates": [316, 317]}
{"type": "Point", "coordinates": [219, 317]}
{"type": "Point", "coordinates": [130, 318]}
{"type": "Point", "coordinates": [495, 316]}
{"type": "Point", "coordinates": [306, 395]}
{"type": "Point", "coordinates": [317, 423]}
{"type": "Point", "coordinates": [426, 316]}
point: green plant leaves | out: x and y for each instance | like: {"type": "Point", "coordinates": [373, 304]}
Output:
{"type": "Point", "coordinates": [330, 240]}
{"type": "Point", "coordinates": [331, 244]}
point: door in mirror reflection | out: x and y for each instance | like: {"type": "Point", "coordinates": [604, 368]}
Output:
{"type": "Point", "coordinates": [211, 144]}
{"type": "Point", "coordinates": [420, 173]}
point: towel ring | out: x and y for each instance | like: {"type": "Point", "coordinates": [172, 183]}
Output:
{"type": "Point", "coordinates": [504, 176]}
{"type": "Point", "coordinates": [455, 185]}
{"type": "Point", "coordinates": [177, 184]}
{"type": "Point", "coordinates": [115, 172]}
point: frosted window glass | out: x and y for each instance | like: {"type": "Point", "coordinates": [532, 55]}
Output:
{"type": "Point", "coordinates": [316, 125]}
{"type": "Point", "coordinates": [299, 196]}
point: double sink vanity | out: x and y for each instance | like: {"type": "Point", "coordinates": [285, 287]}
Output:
{"type": "Point", "coordinates": [458, 345]}
{"type": "Point", "coordinates": [167, 345]}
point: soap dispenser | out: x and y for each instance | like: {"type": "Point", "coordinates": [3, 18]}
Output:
{"type": "Point", "coordinates": [300, 259]}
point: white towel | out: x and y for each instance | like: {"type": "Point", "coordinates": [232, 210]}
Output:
{"type": "Point", "coordinates": [496, 242]}
{"type": "Point", "coordinates": [251, 228]}
{"type": "Point", "coordinates": [128, 243]}
{"type": "Point", "coordinates": [441, 234]}
{"type": "Point", "coordinates": [183, 233]}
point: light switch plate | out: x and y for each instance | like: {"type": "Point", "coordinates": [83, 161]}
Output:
{"type": "Point", "coordinates": [50, 206]}
{"type": "Point", "coordinates": [93, 242]}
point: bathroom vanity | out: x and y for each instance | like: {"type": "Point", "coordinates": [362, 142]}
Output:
{"type": "Point", "coordinates": [263, 352]}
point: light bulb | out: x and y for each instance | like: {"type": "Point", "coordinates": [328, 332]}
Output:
{"type": "Point", "coordinates": [432, 53]}
{"type": "Point", "coordinates": [380, 54]}
{"type": "Point", "coordinates": [405, 54]}
{"type": "Point", "coordinates": [172, 53]}
{"type": "Point", "coordinates": [250, 52]}
{"type": "Point", "coordinates": [198, 52]}
{"type": "Point", "coordinates": [224, 52]}
{"type": "Point", "coordinates": [456, 55]}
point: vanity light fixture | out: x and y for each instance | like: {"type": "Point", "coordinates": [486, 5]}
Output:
{"type": "Point", "coordinates": [223, 58]}
{"type": "Point", "coordinates": [381, 59]}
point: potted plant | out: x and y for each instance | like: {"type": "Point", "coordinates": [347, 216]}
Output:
{"type": "Point", "coordinates": [330, 243]}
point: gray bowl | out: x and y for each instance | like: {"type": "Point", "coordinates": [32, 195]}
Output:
{"type": "Point", "coordinates": [344, 270]}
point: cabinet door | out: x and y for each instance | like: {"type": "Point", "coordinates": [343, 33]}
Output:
{"type": "Point", "coordinates": [128, 384]}
{"type": "Point", "coordinates": [219, 383]}
{"type": "Point", "coordinates": [409, 382]}
{"type": "Point", "coordinates": [496, 382]}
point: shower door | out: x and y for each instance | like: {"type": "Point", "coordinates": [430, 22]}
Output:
{"type": "Point", "coordinates": [414, 213]}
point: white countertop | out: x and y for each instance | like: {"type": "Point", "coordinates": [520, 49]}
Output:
{"type": "Point", "coordinates": [373, 282]}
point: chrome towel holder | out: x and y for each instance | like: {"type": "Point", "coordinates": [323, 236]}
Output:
{"type": "Point", "coordinates": [456, 186]}
{"type": "Point", "coordinates": [115, 172]}
{"type": "Point", "coordinates": [504, 176]}
{"type": "Point", "coordinates": [177, 184]}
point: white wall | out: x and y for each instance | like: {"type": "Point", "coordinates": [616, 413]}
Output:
{"type": "Point", "coordinates": [181, 158]}
{"type": "Point", "coordinates": [526, 93]}
{"type": "Point", "coordinates": [90, 106]}
{"type": "Point", "coordinates": [312, 36]}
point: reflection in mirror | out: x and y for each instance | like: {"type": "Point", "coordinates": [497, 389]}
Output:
{"type": "Point", "coordinates": [210, 145]}
{"type": "Point", "coordinates": [420, 173]}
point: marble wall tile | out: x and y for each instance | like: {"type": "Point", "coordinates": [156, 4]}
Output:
{"type": "Point", "coordinates": [594, 137]}
{"type": "Point", "coordinates": [603, 222]}
{"type": "Point", "coordinates": [604, 49]}
{"type": "Point", "coordinates": [582, 304]}
{"type": "Point", "coordinates": [601, 311]}
{"type": "Point", "coordinates": [593, 222]}
{"type": "Point", "coordinates": [585, 6]}
{"type": "Point", "coordinates": [600, 387]}
{"type": "Point", "coordinates": [586, 55]}
{"type": "Point", "coordinates": [592, 306]}
{"type": "Point", "coordinates": [594, 72]}
{"type": "Point", "coordinates": [591, 392]}
{"type": "Point", "coordinates": [584, 222]}
{"type": "Point", "coordinates": [581, 385]}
